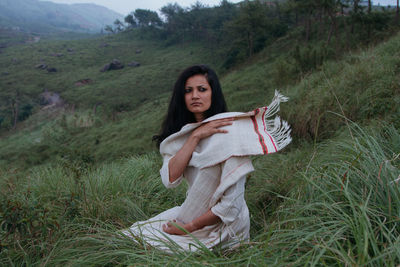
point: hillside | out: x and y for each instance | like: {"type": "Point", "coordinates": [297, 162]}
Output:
{"type": "Point", "coordinates": [133, 98]}
{"type": "Point", "coordinates": [73, 175]}
{"type": "Point", "coordinates": [45, 17]}
{"type": "Point", "coordinates": [110, 94]}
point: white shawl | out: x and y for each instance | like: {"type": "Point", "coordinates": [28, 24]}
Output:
{"type": "Point", "coordinates": [252, 133]}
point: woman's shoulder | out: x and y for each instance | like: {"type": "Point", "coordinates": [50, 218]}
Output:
{"type": "Point", "coordinates": [224, 115]}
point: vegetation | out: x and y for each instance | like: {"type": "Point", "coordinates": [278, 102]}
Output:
{"type": "Point", "coordinates": [241, 30]}
{"type": "Point", "coordinates": [343, 209]}
{"type": "Point", "coordinates": [72, 176]}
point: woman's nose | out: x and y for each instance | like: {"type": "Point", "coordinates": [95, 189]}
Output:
{"type": "Point", "coordinates": [195, 94]}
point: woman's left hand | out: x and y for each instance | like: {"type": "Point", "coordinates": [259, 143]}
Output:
{"type": "Point", "coordinates": [172, 229]}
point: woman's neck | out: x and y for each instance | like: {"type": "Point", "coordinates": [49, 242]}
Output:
{"type": "Point", "coordinates": [199, 117]}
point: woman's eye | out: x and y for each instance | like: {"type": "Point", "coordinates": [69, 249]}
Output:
{"type": "Point", "coordinates": [202, 89]}
{"type": "Point", "coordinates": [188, 90]}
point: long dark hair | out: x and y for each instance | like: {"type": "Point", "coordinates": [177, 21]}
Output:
{"type": "Point", "coordinates": [178, 115]}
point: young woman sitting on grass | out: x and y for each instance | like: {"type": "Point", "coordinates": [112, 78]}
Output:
{"type": "Point", "coordinates": [202, 143]}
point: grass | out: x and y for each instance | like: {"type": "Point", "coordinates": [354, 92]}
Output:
{"type": "Point", "coordinates": [83, 59]}
{"type": "Point", "coordinates": [363, 86]}
{"type": "Point", "coordinates": [341, 209]}
{"type": "Point", "coordinates": [71, 179]}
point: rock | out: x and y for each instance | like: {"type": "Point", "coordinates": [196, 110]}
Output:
{"type": "Point", "coordinates": [114, 65]}
{"type": "Point", "coordinates": [52, 70]}
{"type": "Point", "coordinates": [138, 51]}
{"type": "Point", "coordinates": [50, 99]}
{"type": "Point", "coordinates": [134, 64]}
{"type": "Point", "coordinates": [70, 50]}
{"type": "Point", "coordinates": [83, 82]}
{"type": "Point", "coordinates": [105, 68]}
{"type": "Point", "coordinates": [5, 73]}
{"type": "Point", "coordinates": [14, 60]}
{"type": "Point", "coordinates": [57, 54]}
{"type": "Point", "coordinates": [104, 45]}
{"type": "Point", "coordinates": [41, 66]}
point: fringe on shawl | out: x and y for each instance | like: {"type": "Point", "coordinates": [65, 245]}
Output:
{"type": "Point", "coordinates": [277, 128]}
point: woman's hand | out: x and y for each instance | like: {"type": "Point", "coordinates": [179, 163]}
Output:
{"type": "Point", "coordinates": [172, 229]}
{"type": "Point", "coordinates": [210, 128]}
{"type": "Point", "coordinates": [178, 163]}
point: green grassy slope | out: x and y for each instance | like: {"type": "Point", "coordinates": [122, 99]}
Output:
{"type": "Point", "coordinates": [128, 86]}
{"type": "Point", "coordinates": [362, 86]}
{"type": "Point", "coordinates": [333, 204]}
{"type": "Point", "coordinates": [331, 198]}
{"type": "Point", "coordinates": [142, 89]}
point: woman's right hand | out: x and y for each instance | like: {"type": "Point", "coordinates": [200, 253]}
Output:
{"type": "Point", "coordinates": [178, 163]}
{"type": "Point", "coordinates": [210, 128]}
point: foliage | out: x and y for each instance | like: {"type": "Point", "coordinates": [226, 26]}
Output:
{"type": "Point", "coordinates": [146, 18]}
{"type": "Point", "coordinates": [346, 212]}
{"type": "Point", "coordinates": [240, 31]}
{"type": "Point", "coordinates": [338, 206]}
{"type": "Point", "coordinates": [72, 177]}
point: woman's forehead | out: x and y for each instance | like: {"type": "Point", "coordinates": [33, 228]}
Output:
{"type": "Point", "coordinates": [198, 79]}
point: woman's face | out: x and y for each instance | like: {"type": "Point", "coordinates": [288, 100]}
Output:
{"type": "Point", "coordinates": [198, 94]}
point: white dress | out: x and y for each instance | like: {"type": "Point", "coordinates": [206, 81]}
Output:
{"type": "Point", "coordinates": [231, 208]}
{"type": "Point", "coordinates": [216, 175]}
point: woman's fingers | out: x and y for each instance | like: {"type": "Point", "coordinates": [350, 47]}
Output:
{"type": "Point", "coordinates": [223, 121]}
{"type": "Point", "coordinates": [221, 131]}
{"type": "Point", "coordinates": [213, 127]}
{"type": "Point", "coordinates": [220, 123]}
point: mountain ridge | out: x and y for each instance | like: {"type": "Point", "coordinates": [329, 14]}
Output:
{"type": "Point", "coordinates": [45, 16]}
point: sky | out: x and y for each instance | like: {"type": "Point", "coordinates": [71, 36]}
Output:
{"type": "Point", "coordinates": [126, 6]}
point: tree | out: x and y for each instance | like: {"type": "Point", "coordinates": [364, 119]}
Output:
{"type": "Point", "coordinates": [174, 15]}
{"type": "Point", "coordinates": [109, 28]}
{"type": "Point", "coordinates": [249, 27]}
{"type": "Point", "coordinates": [130, 20]}
{"type": "Point", "coordinates": [331, 7]}
{"type": "Point", "coordinates": [145, 18]}
{"type": "Point", "coordinates": [14, 108]}
{"type": "Point", "coordinates": [119, 26]}
{"type": "Point", "coordinates": [170, 11]}
{"type": "Point", "coordinates": [369, 6]}
{"type": "Point", "coordinates": [11, 101]}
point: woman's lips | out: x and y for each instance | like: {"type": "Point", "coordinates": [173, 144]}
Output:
{"type": "Point", "coordinates": [196, 104]}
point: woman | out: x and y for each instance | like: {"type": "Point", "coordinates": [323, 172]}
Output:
{"type": "Point", "coordinates": [209, 148]}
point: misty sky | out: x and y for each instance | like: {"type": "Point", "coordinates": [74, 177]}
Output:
{"type": "Point", "coordinates": [126, 6]}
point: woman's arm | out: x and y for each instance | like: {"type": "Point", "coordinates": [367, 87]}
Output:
{"type": "Point", "coordinates": [208, 218]}
{"type": "Point", "coordinates": [178, 163]}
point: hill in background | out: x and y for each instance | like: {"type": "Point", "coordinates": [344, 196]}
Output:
{"type": "Point", "coordinates": [44, 17]}
{"type": "Point", "coordinates": [72, 176]}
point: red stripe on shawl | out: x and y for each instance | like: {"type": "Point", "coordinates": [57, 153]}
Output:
{"type": "Point", "coordinates": [265, 128]}
{"type": "Point", "coordinates": [260, 137]}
